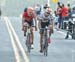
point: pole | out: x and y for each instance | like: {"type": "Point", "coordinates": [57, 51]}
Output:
{"type": "Point", "coordinates": [48, 2]}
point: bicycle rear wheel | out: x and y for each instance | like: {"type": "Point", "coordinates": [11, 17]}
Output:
{"type": "Point", "coordinates": [45, 48]}
{"type": "Point", "coordinates": [46, 51]}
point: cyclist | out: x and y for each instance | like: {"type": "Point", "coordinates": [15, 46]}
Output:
{"type": "Point", "coordinates": [45, 19]}
{"type": "Point", "coordinates": [27, 18]}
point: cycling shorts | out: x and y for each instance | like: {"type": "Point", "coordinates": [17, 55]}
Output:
{"type": "Point", "coordinates": [30, 23]}
{"type": "Point", "coordinates": [43, 25]}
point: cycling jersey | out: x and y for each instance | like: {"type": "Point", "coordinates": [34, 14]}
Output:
{"type": "Point", "coordinates": [27, 17]}
{"type": "Point", "coordinates": [44, 18]}
{"type": "Point", "coordinates": [45, 21]}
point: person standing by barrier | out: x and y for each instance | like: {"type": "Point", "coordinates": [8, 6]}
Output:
{"type": "Point", "coordinates": [37, 9]}
{"type": "Point", "coordinates": [64, 12]}
{"type": "Point", "coordinates": [69, 10]}
{"type": "Point", "coordinates": [59, 14]}
{"type": "Point", "coordinates": [55, 19]}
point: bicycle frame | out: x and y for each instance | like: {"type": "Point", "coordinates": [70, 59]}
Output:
{"type": "Point", "coordinates": [45, 41]}
{"type": "Point", "coordinates": [28, 39]}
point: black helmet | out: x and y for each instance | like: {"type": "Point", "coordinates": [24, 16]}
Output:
{"type": "Point", "coordinates": [58, 3]}
{"type": "Point", "coordinates": [68, 4]}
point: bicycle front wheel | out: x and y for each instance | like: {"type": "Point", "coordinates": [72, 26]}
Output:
{"type": "Point", "coordinates": [28, 43]}
{"type": "Point", "coordinates": [46, 51]}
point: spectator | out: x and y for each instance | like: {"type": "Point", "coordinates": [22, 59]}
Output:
{"type": "Point", "coordinates": [69, 11]}
{"type": "Point", "coordinates": [64, 12]}
{"type": "Point", "coordinates": [56, 19]}
{"type": "Point", "coordinates": [59, 15]}
{"type": "Point", "coordinates": [38, 9]}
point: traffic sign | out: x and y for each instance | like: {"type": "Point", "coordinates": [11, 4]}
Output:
{"type": "Point", "coordinates": [55, 1]}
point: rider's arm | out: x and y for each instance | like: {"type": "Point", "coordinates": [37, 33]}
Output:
{"type": "Point", "coordinates": [39, 24]}
{"type": "Point", "coordinates": [23, 19]}
{"type": "Point", "coordinates": [51, 21]}
{"type": "Point", "coordinates": [40, 19]}
{"type": "Point", "coordinates": [35, 18]}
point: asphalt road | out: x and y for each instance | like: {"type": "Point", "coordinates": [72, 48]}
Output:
{"type": "Point", "coordinates": [60, 49]}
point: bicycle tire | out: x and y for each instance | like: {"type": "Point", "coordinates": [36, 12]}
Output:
{"type": "Point", "coordinates": [28, 43]}
{"type": "Point", "coordinates": [46, 51]}
{"type": "Point", "coordinates": [46, 44]}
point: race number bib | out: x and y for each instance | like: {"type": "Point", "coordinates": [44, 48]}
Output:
{"type": "Point", "coordinates": [45, 20]}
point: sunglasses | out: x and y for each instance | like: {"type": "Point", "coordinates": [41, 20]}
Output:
{"type": "Point", "coordinates": [48, 13]}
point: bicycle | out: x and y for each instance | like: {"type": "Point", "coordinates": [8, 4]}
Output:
{"type": "Point", "coordinates": [45, 41]}
{"type": "Point", "coordinates": [28, 39]}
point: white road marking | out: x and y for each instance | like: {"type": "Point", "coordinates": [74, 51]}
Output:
{"type": "Point", "coordinates": [18, 41]}
{"type": "Point", "coordinates": [13, 43]}
{"type": "Point", "coordinates": [73, 55]}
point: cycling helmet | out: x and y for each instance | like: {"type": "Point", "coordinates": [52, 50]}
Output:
{"type": "Point", "coordinates": [30, 9]}
{"type": "Point", "coordinates": [48, 10]}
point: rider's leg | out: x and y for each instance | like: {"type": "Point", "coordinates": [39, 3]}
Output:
{"type": "Point", "coordinates": [32, 34]}
{"type": "Point", "coordinates": [50, 30]}
{"type": "Point", "coordinates": [41, 40]}
{"type": "Point", "coordinates": [25, 29]}
{"type": "Point", "coordinates": [32, 37]}
{"type": "Point", "coordinates": [42, 25]}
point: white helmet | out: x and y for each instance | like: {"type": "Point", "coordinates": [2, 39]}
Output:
{"type": "Point", "coordinates": [30, 9]}
{"type": "Point", "coordinates": [48, 10]}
